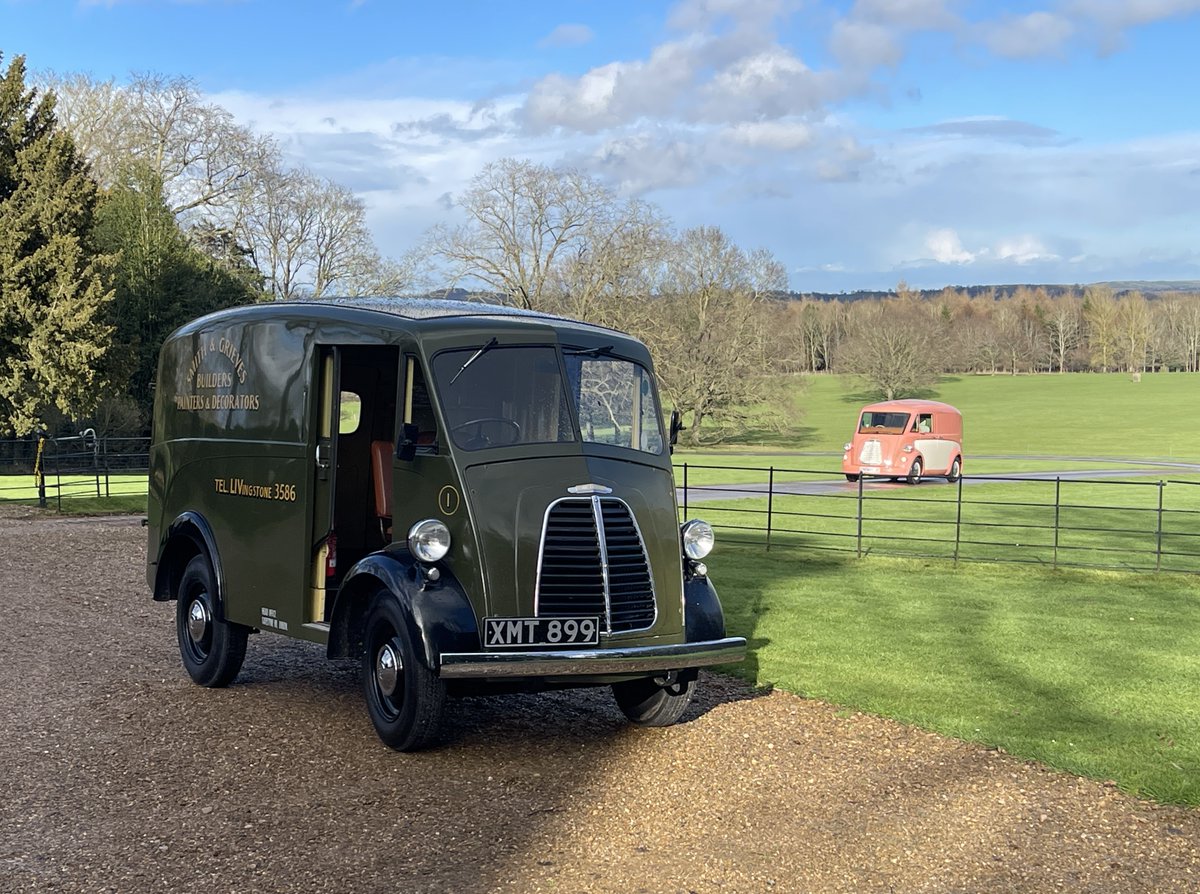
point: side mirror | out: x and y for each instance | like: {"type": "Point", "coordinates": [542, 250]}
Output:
{"type": "Point", "coordinates": [676, 427]}
{"type": "Point", "coordinates": [406, 449]}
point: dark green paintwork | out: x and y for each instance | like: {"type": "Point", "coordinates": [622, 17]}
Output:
{"type": "Point", "coordinates": [261, 365]}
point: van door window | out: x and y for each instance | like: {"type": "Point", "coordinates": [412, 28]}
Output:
{"type": "Point", "coordinates": [349, 413]}
{"type": "Point", "coordinates": [418, 407]}
{"type": "Point", "coordinates": [923, 423]}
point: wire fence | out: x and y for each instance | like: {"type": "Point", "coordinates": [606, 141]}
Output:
{"type": "Point", "coordinates": [1057, 520]}
{"type": "Point", "coordinates": [44, 471]}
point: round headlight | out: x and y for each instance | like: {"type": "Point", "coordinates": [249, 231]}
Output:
{"type": "Point", "coordinates": [697, 538]}
{"type": "Point", "coordinates": [429, 540]}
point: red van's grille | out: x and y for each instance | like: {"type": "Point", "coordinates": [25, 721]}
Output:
{"type": "Point", "coordinates": [871, 454]}
{"type": "Point", "coordinates": [593, 562]}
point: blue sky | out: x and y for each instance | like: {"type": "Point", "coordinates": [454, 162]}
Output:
{"type": "Point", "coordinates": [937, 141]}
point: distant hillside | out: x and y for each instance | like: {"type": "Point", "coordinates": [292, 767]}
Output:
{"type": "Point", "coordinates": [1149, 288]}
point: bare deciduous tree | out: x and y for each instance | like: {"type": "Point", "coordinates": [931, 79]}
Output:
{"type": "Point", "coordinates": [893, 347]}
{"type": "Point", "coordinates": [526, 221]}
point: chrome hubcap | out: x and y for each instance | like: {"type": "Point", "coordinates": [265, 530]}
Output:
{"type": "Point", "coordinates": [388, 667]}
{"type": "Point", "coordinates": [198, 618]}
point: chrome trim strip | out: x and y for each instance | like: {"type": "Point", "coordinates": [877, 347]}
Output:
{"type": "Point", "coordinates": [589, 489]}
{"type": "Point", "coordinates": [585, 662]}
{"type": "Point", "coordinates": [602, 539]}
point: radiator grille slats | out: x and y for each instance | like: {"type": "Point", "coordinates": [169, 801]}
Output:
{"type": "Point", "coordinates": [572, 576]}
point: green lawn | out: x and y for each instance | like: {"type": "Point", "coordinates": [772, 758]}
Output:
{"type": "Point", "coordinates": [80, 494]}
{"type": "Point", "coordinates": [1095, 673]}
{"type": "Point", "coordinates": [1078, 414]}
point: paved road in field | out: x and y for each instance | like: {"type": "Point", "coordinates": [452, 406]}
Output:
{"type": "Point", "coordinates": [839, 484]}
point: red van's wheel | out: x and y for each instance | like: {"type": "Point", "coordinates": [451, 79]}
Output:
{"type": "Point", "coordinates": [955, 470]}
{"type": "Point", "coordinates": [914, 471]}
{"type": "Point", "coordinates": [850, 476]}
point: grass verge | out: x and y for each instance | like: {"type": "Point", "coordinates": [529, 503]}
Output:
{"type": "Point", "coordinates": [1090, 672]}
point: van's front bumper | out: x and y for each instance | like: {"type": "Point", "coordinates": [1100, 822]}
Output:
{"type": "Point", "coordinates": [587, 662]}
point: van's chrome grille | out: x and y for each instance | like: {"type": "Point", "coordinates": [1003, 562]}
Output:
{"type": "Point", "coordinates": [593, 562]}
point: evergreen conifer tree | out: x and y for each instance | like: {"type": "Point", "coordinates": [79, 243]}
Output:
{"type": "Point", "coordinates": [53, 282]}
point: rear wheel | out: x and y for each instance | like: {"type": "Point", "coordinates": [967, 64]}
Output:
{"type": "Point", "coordinates": [404, 697]}
{"type": "Point", "coordinates": [955, 470]}
{"type": "Point", "coordinates": [656, 701]}
{"type": "Point", "coordinates": [915, 470]}
{"type": "Point", "coordinates": [212, 650]}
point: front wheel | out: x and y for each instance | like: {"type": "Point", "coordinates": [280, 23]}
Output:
{"type": "Point", "coordinates": [404, 698]}
{"type": "Point", "coordinates": [850, 476]}
{"type": "Point", "coordinates": [656, 701]}
{"type": "Point", "coordinates": [212, 650]}
{"type": "Point", "coordinates": [914, 471]}
{"type": "Point", "coordinates": [955, 471]}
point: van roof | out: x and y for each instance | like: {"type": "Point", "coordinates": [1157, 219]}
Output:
{"type": "Point", "coordinates": [417, 313]}
{"type": "Point", "coordinates": [430, 308]}
{"type": "Point", "coordinates": [911, 405]}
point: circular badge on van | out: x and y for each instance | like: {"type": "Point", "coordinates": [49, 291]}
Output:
{"type": "Point", "coordinates": [448, 499]}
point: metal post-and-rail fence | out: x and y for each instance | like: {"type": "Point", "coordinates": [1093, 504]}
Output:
{"type": "Point", "coordinates": [1058, 521]}
{"type": "Point", "coordinates": [45, 471]}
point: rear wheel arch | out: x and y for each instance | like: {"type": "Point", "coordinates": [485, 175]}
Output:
{"type": "Point", "coordinates": [188, 536]}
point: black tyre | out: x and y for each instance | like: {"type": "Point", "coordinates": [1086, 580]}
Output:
{"type": "Point", "coordinates": [850, 476]}
{"type": "Point", "coordinates": [915, 470]}
{"type": "Point", "coordinates": [404, 697]}
{"type": "Point", "coordinates": [212, 650]}
{"type": "Point", "coordinates": [955, 470]}
{"type": "Point", "coordinates": [648, 702]}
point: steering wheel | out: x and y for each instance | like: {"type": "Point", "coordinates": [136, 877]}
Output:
{"type": "Point", "coordinates": [479, 439]}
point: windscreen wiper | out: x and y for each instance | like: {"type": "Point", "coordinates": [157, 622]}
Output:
{"type": "Point", "coordinates": [491, 344]}
{"type": "Point", "coordinates": [607, 351]}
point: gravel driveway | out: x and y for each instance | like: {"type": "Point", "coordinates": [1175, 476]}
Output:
{"type": "Point", "coordinates": [117, 774]}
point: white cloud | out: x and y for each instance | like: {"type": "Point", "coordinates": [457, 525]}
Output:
{"type": "Point", "coordinates": [782, 136]}
{"type": "Point", "coordinates": [1023, 250]}
{"type": "Point", "coordinates": [1020, 37]}
{"type": "Point", "coordinates": [945, 247]}
{"type": "Point", "coordinates": [865, 45]}
{"type": "Point", "coordinates": [567, 36]}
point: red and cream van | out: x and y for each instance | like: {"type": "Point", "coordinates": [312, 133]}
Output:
{"type": "Point", "coordinates": [905, 439]}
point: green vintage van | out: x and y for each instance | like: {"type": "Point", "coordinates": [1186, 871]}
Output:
{"type": "Point", "coordinates": [467, 498]}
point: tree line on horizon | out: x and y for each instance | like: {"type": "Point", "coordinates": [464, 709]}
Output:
{"type": "Point", "coordinates": [128, 210]}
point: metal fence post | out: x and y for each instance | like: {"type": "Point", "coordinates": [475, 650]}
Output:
{"type": "Point", "coordinates": [1158, 534]}
{"type": "Point", "coordinates": [685, 492]}
{"type": "Point", "coordinates": [39, 469]}
{"type": "Point", "coordinates": [1057, 501]}
{"type": "Point", "coordinates": [958, 521]}
{"type": "Point", "coordinates": [858, 542]}
{"type": "Point", "coordinates": [770, 502]}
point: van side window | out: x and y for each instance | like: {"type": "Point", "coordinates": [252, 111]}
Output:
{"type": "Point", "coordinates": [418, 408]}
{"type": "Point", "coordinates": [924, 423]}
{"type": "Point", "coordinates": [349, 413]}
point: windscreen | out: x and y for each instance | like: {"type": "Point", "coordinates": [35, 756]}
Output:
{"type": "Point", "coordinates": [498, 396]}
{"type": "Point", "coordinates": [883, 423]}
{"type": "Point", "coordinates": [615, 402]}
{"type": "Point", "coordinates": [495, 396]}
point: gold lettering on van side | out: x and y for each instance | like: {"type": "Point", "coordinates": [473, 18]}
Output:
{"type": "Point", "coordinates": [220, 381]}
{"type": "Point", "coordinates": [278, 491]}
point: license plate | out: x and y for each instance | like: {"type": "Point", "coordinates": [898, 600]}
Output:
{"type": "Point", "coordinates": [870, 469]}
{"type": "Point", "coordinates": [502, 633]}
